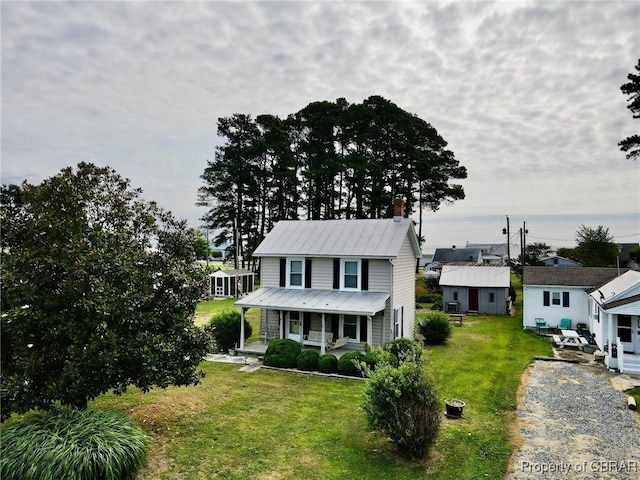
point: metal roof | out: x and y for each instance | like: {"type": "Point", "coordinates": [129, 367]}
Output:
{"type": "Point", "coordinates": [318, 301]}
{"type": "Point", "coordinates": [475, 276]}
{"type": "Point", "coordinates": [364, 238]}
{"type": "Point", "coordinates": [620, 288]}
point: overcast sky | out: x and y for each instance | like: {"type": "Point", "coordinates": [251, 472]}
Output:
{"type": "Point", "coordinates": [526, 93]}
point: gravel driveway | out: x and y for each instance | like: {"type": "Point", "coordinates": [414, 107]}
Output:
{"type": "Point", "coordinates": [574, 424]}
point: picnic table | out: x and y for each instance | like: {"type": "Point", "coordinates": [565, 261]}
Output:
{"type": "Point", "coordinates": [457, 317]}
{"type": "Point", "coordinates": [569, 338]}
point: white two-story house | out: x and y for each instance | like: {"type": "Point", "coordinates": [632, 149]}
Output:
{"type": "Point", "coordinates": [340, 279]}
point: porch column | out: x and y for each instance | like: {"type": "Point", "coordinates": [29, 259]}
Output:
{"type": "Point", "coordinates": [301, 329]}
{"type": "Point", "coordinates": [242, 310]}
{"type": "Point", "coordinates": [281, 324]}
{"type": "Point", "coordinates": [322, 346]}
{"type": "Point", "coordinates": [370, 331]}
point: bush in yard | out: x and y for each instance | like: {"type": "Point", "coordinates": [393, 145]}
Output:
{"type": "Point", "coordinates": [282, 353]}
{"type": "Point", "coordinates": [347, 364]}
{"type": "Point", "coordinates": [404, 349]}
{"type": "Point", "coordinates": [308, 360]}
{"type": "Point", "coordinates": [401, 402]}
{"type": "Point", "coordinates": [433, 284]}
{"type": "Point", "coordinates": [435, 328]}
{"type": "Point", "coordinates": [224, 329]}
{"type": "Point", "coordinates": [423, 296]}
{"type": "Point", "coordinates": [328, 363]}
{"type": "Point", "coordinates": [437, 306]}
{"type": "Point", "coordinates": [70, 443]}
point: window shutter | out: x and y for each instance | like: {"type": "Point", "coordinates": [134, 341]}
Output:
{"type": "Point", "coordinates": [545, 298]}
{"type": "Point", "coordinates": [283, 272]}
{"type": "Point", "coordinates": [336, 273]}
{"type": "Point", "coordinates": [307, 273]}
{"type": "Point", "coordinates": [363, 328]}
{"type": "Point", "coordinates": [335, 325]}
{"type": "Point", "coordinates": [565, 299]}
{"type": "Point", "coordinates": [364, 266]}
{"type": "Point", "coordinates": [307, 323]}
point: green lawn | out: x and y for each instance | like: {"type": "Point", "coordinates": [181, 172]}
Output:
{"type": "Point", "coordinates": [276, 425]}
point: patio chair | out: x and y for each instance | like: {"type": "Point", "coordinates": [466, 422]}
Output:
{"type": "Point", "coordinates": [565, 324]}
{"type": "Point", "coordinates": [541, 326]}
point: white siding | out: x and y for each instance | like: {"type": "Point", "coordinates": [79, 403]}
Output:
{"type": "Point", "coordinates": [404, 287]}
{"type": "Point", "coordinates": [578, 310]}
{"type": "Point", "coordinates": [379, 275]}
{"type": "Point", "coordinates": [270, 272]}
{"type": "Point", "coordinates": [322, 273]}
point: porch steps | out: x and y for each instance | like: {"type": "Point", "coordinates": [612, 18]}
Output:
{"type": "Point", "coordinates": [632, 364]}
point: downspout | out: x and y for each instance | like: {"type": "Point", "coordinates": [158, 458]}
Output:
{"type": "Point", "coordinates": [391, 305]}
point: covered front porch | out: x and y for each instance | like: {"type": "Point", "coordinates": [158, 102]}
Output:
{"type": "Point", "coordinates": [319, 318]}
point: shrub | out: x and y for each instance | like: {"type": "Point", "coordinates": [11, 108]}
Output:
{"type": "Point", "coordinates": [433, 284]}
{"type": "Point", "coordinates": [328, 363]}
{"type": "Point", "coordinates": [282, 353]}
{"type": "Point", "coordinates": [224, 329]}
{"type": "Point", "coordinates": [347, 364]}
{"type": "Point", "coordinates": [404, 349]}
{"type": "Point", "coordinates": [402, 403]}
{"type": "Point", "coordinates": [69, 443]}
{"type": "Point", "coordinates": [435, 328]}
{"type": "Point", "coordinates": [437, 306]}
{"type": "Point", "coordinates": [308, 360]}
{"type": "Point", "coordinates": [422, 296]}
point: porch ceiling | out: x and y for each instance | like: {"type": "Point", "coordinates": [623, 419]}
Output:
{"type": "Point", "coordinates": [317, 301]}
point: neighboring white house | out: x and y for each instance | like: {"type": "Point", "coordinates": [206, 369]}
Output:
{"type": "Point", "coordinates": [614, 318]}
{"type": "Point", "coordinates": [482, 288]}
{"type": "Point", "coordinates": [556, 293]}
{"type": "Point", "coordinates": [495, 253]}
{"type": "Point", "coordinates": [337, 279]}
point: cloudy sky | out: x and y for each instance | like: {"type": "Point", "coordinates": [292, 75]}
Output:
{"type": "Point", "coordinates": [526, 93]}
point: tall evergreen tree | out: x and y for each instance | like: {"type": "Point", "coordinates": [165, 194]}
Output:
{"type": "Point", "coordinates": [631, 144]}
{"type": "Point", "coordinates": [231, 186]}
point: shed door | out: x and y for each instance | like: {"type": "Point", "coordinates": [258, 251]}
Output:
{"type": "Point", "coordinates": [473, 299]}
{"type": "Point", "coordinates": [219, 290]}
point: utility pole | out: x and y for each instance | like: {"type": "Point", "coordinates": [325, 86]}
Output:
{"type": "Point", "coordinates": [505, 231]}
{"type": "Point", "coordinates": [523, 247]}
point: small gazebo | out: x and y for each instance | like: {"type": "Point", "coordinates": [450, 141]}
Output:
{"type": "Point", "coordinates": [231, 283]}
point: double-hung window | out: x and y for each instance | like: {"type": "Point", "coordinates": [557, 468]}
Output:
{"type": "Point", "coordinates": [555, 299]}
{"type": "Point", "coordinates": [296, 273]}
{"type": "Point", "coordinates": [351, 274]}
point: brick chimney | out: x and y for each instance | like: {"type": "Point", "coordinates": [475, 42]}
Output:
{"type": "Point", "coordinates": [398, 209]}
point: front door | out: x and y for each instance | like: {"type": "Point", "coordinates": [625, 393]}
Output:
{"type": "Point", "coordinates": [473, 299]}
{"type": "Point", "coordinates": [629, 333]}
{"type": "Point", "coordinates": [293, 326]}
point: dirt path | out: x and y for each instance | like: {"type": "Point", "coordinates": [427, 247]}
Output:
{"type": "Point", "coordinates": [572, 423]}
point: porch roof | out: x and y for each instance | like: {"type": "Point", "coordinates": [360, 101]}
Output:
{"type": "Point", "coordinates": [317, 301]}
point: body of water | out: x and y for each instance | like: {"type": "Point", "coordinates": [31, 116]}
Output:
{"type": "Point", "coordinates": [441, 231]}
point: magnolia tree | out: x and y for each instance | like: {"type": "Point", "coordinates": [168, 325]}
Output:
{"type": "Point", "coordinates": [98, 292]}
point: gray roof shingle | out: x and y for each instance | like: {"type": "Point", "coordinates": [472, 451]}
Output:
{"type": "Point", "coordinates": [590, 277]}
